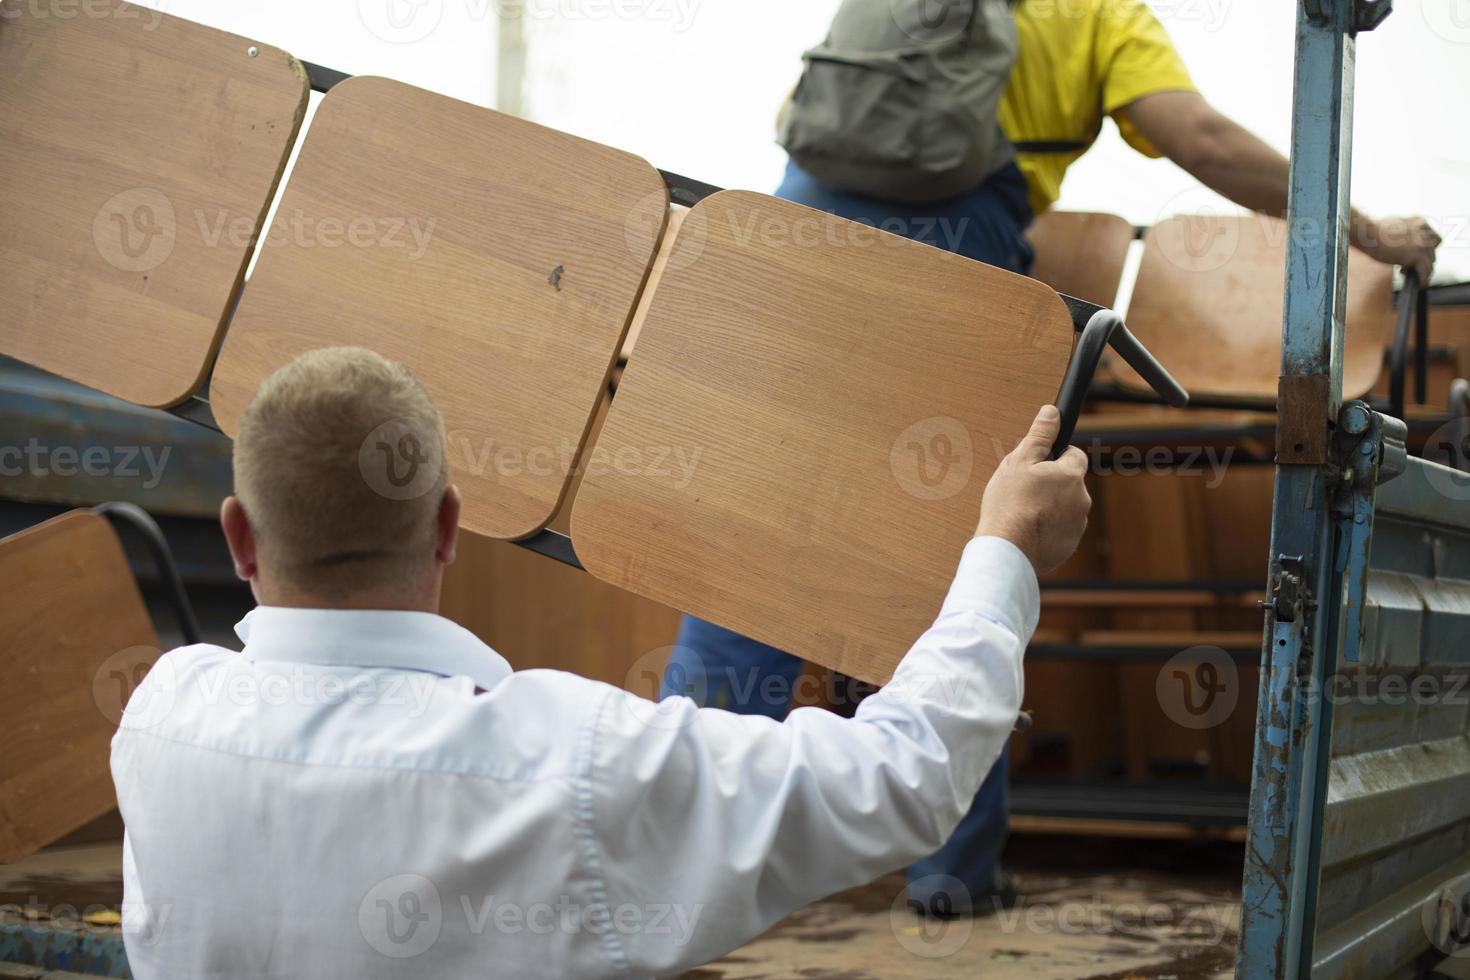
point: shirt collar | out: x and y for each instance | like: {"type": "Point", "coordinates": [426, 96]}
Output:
{"type": "Point", "coordinates": [393, 639]}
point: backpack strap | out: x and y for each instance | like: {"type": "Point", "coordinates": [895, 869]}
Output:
{"type": "Point", "coordinates": [1050, 146]}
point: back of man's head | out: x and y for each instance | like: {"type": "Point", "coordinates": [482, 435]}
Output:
{"type": "Point", "coordinates": [340, 469]}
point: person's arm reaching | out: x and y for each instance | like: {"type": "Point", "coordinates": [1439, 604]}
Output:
{"type": "Point", "coordinates": [1231, 160]}
{"type": "Point", "coordinates": [751, 819]}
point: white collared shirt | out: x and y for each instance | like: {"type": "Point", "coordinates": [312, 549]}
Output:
{"type": "Point", "coordinates": [338, 801]}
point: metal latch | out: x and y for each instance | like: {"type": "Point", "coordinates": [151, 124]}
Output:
{"type": "Point", "coordinates": [1366, 14]}
{"type": "Point", "coordinates": [1288, 595]}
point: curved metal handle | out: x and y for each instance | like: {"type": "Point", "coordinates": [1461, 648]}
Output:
{"type": "Point", "coordinates": [137, 518]}
{"type": "Point", "coordinates": [1460, 398]}
{"type": "Point", "coordinates": [1413, 309]}
{"type": "Point", "coordinates": [1104, 328]}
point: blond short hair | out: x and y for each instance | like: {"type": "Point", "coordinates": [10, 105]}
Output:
{"type": "Point", "coordinates": [340, 467]}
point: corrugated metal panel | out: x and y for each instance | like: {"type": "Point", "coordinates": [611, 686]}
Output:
{"type": "Point", "coordinates": [1396, 839]}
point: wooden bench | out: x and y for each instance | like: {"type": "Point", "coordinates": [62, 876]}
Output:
{"type": "Point", "coordinates": [77, 642]}
{"type": "Point", "coordinates": [500, 260]}
{"type": "Point", "coordinates": [138, 155]}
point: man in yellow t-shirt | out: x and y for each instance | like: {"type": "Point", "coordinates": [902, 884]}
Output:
{"type": "Point", "coordinates": [1079, 61]}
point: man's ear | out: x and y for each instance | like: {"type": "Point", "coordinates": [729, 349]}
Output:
{"type": "Point", "coordinates": [446, 532]}
{"type": "Point", "coordinates": [239, 537]}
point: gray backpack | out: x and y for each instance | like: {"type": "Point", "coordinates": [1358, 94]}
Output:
{"type": "Point", "coordinates": [900, 102]}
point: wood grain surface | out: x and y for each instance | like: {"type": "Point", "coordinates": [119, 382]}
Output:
{"type": "Point", "coordinates": [1081, 253]}
{"type": "Point", "coordinates": [77, 639]}
{"type": "Point", "coordinates": [138, 155]}
{"type": "Point", "coordinates": [500, 260]}
{"type": "Point", "coordinates": [799, 443]}
{"type": "Point", "coordinates": [1208, 304]}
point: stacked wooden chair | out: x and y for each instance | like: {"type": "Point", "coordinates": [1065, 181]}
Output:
{"type": "Point", "coordinates": [801, 435]}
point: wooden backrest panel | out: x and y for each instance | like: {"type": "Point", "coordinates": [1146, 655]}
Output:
{"type": "Point", "coordinates": [1081, 253]}
{"type": "Point", "coordinates": [800, 440]}
{"type": "Point", "coordinates": [74, 640]}
{"type": "Point", "coordinates": [500, 260]}
{"type": "Point", "coordinates": [138, 155]}
{"type": "Point", "coordinates": [1208, 304]}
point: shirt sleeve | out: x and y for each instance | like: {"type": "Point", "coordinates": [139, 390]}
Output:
{"type": "Point", "coordinates": [1136, 58]}
{"type": "Point", "coordinates": [715, 826]}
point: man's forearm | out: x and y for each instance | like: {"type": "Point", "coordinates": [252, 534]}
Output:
{"type": "Point", "coordinates": [1230, 159]}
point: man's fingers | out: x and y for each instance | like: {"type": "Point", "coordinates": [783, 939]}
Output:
{"type": "Point", "coordinates": [1036, 446]}
{"type": "Point", "coordinates": [1075, 461]}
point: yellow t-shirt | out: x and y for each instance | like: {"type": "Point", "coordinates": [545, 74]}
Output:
{"type": "Point", "coordinates": [1079, 61]}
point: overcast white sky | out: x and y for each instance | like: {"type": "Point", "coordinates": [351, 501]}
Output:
{"type": "Point", "coordinates": [693, 85]}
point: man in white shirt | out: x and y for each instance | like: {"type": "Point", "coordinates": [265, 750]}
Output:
{"type": "Point", "coordinates": [370, 791]}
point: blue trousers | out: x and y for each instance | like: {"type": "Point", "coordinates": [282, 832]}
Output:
{"type": "Point", "coordinates": [726, 670]}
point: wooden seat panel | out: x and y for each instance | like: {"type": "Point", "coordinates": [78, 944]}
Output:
{"type": "Point", "coordinates": [77, 639]}
{"type": "Point", "coordinates": [800, 440]}
{"type": "Point", "coordinates": [138, 155]}
{"type": "Point", "coordinates": [1208, 304]}
{"type": "Point", "coordinates": [1081, 253]}
{"type": "Point", "coordinates": [500, 260]}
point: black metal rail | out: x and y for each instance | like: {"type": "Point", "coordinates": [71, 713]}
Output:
{"type": "Point", "coordinates": [140, 522]}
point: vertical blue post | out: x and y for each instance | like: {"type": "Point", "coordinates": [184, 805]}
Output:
{"type": "Point", "coordinates": [1294, 727]}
